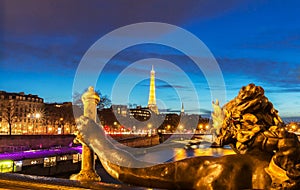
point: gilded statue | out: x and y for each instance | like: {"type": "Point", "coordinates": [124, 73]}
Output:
{"type": "Point", "coordinates": [268, 157]}
{"type": "Point", "coordinates": [250, 122]}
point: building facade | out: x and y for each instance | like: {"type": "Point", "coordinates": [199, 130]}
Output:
{"type": "Point", "coordinates": [20, 113]}
{"type": "Point", "coordinates": [27, 114]}
{"type": "Point", "coordinates": [120, 110]}
{"type": "Point", "coordinates": [59, 118]}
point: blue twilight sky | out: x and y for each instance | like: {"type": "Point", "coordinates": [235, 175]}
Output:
{"type": "Point", "coordinates": [42, 43]}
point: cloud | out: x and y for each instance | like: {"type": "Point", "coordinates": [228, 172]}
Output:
{"type": "Point", "coordinates": [272, 72]}
{"type": "Point", "coordinates": [57, 34]}
{"type": "Point", "coordinates": [146, 51]}
{"type": "Point", "coordinates": [296, 89]}
{"type": "Point", "coordinates": [65, 16]}
{"type": "Point", "coordinates": [163, 86]}
{"type": "Point", "coordinates": [290, 119]}
{"type": "Point", "coordinates": [274, 40]}
{"type": "Point", "coordinates": [30, 56]}
{"type": "Point", "coordinates": [168, 110]}
{"type": "Point", "coordinates": [169, 86]}
{"type": "Point", "coordinates": [205, 111]}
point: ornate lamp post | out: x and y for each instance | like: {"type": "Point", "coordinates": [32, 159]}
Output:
{"type": "Point", "coordinates": [90, 100]}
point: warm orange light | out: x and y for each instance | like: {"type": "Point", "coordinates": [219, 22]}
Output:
{"type": "Point", "coordinates": [200, 126]}
{"type": "Point", "coordinates": [180, 127]}
{"type": "Point", "coordinates": [37, 115]}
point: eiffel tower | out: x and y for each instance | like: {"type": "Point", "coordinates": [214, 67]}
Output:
{"type": "Point", "coordinates": [152, 99]}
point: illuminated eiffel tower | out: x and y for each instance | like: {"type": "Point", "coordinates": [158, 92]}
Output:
{"type": "Point", "coordinates": [152, 99]}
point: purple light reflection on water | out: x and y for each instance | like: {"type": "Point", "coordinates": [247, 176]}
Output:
{"type": "Point", "coordinates": [40, 153]}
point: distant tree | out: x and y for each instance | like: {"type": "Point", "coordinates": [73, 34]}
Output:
{"type": "Point", "coordinates": [77, 99]}
{"type": "Point", "coordinates": [105, 102]}
{"type": "Point", "coordinates": [9, 113]}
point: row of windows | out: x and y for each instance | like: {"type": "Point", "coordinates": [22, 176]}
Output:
{"type": "Point", "coordinates": [23, 98]}
{"type": "Point", "coordinates": [18, 111]}
{"type": "Point", "coordinates": [22, 120]}
{"type": "Point", "coordinates": [18, 103]}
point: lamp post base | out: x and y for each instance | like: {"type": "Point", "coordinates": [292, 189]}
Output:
{"type": "Point", "coordinates": [86, 175]}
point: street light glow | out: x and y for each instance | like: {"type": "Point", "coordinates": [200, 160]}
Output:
{"type": "Point", "coordinates": [37, 115]}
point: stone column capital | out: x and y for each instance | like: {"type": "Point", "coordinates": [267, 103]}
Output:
{"type": "Point", "coordinates": [90, 95]}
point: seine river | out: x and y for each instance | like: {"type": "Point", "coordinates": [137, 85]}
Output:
{"type": "Point", "coordinates": [175, 154]}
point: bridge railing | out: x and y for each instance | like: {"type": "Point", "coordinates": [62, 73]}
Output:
{"type": "Point", "coordinates": [20, 181]}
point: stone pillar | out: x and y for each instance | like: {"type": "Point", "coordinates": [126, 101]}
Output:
{"type": "Point", "coordinates": [90, 100]}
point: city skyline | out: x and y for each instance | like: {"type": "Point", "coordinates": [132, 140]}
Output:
{"type": "Point", "coordinates": [42, 44]}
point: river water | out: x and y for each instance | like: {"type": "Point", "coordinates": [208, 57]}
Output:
{"type": "Point", "coordinates": [175, 154]}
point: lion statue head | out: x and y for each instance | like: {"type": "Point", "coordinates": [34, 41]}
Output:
{"type": "Point", "coordinates": [242, 118]}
